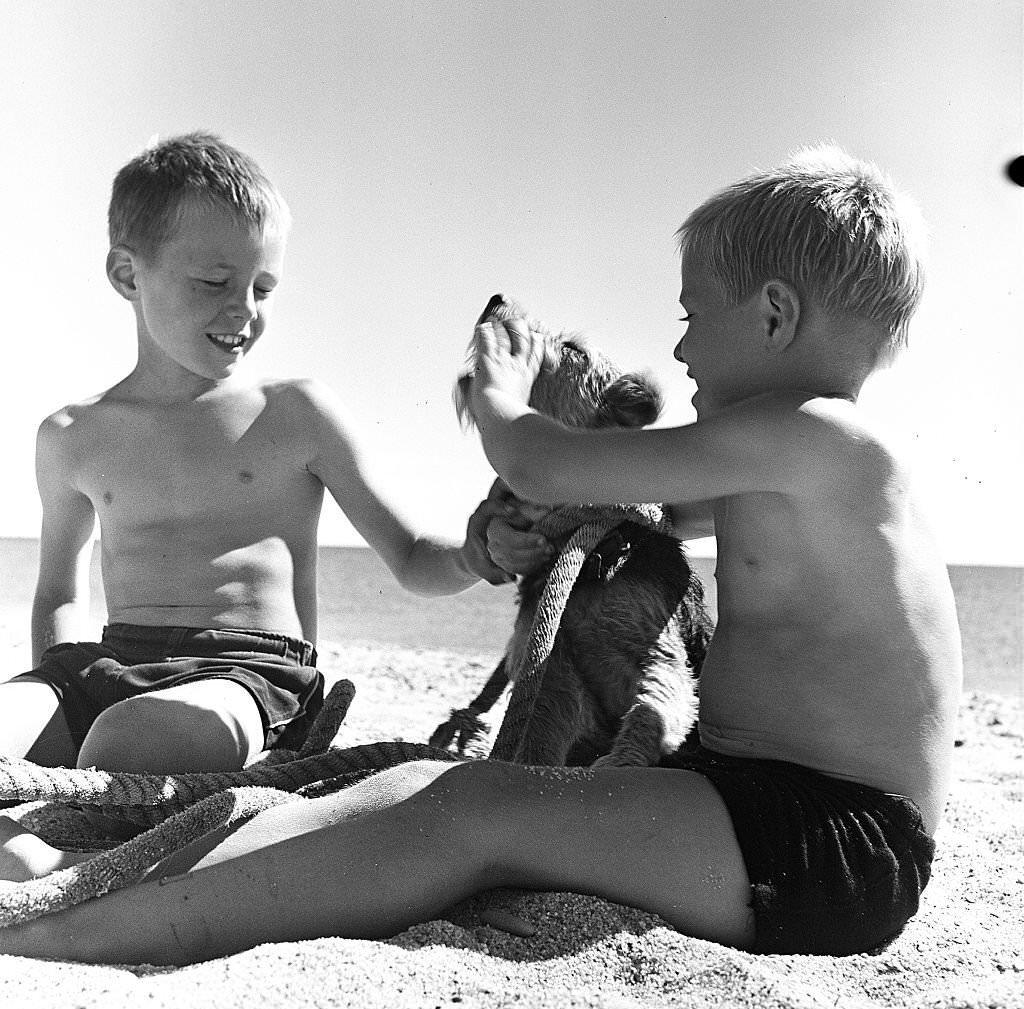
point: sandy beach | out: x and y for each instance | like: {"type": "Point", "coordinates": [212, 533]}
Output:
{"type": "Point", "coordinates": [962, 950]}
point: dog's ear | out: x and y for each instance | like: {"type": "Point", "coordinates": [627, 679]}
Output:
{"type": "Point", "coordinates": [460, 397]}
{"type": "Point", "coordinates": [633, 400]}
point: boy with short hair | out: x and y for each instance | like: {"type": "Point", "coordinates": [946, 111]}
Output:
{"type": "Point", "coordinates": [208, 483]}
{"type": "Point", "coordinates": [804, 821]}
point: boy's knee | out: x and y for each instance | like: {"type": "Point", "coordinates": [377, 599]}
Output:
{"type": "Point", "coordinates": [160, 734]}
{"type": "Point", "coordinates": [403, 781]}
{"type": "Point", "coordinates": [121, 737]}
{"type": "Point", "coordinates": [478, 792]}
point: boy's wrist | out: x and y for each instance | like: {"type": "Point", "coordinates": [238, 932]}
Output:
{"type": "Point", "coordinates": [494, 406]}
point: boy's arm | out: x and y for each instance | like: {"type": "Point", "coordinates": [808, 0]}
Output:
{"type": "Point", "coordinates": [60, 608]}
{"type": "Point", "coordinates": [423, 564]}
{"type": "Point", "coordinates": [775, 442]}
{"type": "Point", "coordinates": [767, 444]}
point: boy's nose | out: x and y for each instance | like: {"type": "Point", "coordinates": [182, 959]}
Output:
{"type": "Point", "coordinates": [243, 306]}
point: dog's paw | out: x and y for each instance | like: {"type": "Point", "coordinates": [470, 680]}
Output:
{"type": "Point", "coordinates": [466, 731]}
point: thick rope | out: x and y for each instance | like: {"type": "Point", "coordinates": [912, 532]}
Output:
{"type": "Point", "coordinates": [147, 799]}
{"type": "Point", "coordinates": [590, 524]}
{"type": "Point", "coordinates": [129, 862]}
{"type": "Point", "coordinates": [183, 807]}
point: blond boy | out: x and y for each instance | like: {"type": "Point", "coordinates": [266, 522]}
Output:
{"type": "Point", "coordinates": [207, 481]}
{"type": "Point", "coordinates": [804, 822]}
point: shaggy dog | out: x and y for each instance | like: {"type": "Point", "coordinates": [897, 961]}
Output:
{"type": "Point", "coordinates": [619, 685]}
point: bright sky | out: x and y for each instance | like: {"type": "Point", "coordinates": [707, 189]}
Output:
{"type": "Point", "coordinates": [436, 151]}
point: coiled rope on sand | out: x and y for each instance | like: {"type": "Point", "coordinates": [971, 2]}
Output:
{"type": "Point", "coordinates": [182, 808]}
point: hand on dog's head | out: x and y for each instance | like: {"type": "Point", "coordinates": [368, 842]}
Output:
{"type": "Point", "coordinates": [577, 386]}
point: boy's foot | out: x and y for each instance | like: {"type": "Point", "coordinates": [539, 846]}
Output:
{"type": "Point", "coordinates": [24, 855]}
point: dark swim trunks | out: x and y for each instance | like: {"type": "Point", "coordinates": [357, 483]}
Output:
{"type": "Point", "coordinates": [835, 867]}
{"type": "Point", "coordinates": [279, 672]}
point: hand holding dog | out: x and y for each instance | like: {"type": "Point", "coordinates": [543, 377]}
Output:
{"type": "Point", "coordinates": [499, 545]}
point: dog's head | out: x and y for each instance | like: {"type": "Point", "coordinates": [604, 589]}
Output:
{"type": "Point", "coordinates": [577, 385]}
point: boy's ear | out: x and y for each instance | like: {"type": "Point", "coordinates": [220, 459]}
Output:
{"type": "Point", "coordinates": [780, 312]}
{"type": "Point", "coordinates": [121, 271]}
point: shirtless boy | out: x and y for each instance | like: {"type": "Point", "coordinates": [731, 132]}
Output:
{"type": "Point", "coordinates": [208, 483]}
{"type": "Point", "coordinates": [804, 822]}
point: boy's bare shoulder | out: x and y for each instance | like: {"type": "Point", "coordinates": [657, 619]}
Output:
{"type": "Point", "coordinates": [314, 398]}
{"type": "Point", "coordinates": [311, 393]}
{"type": "Point", "coordinates": [299, 393]}
{"type": "Point", "coordinates": [838, 420]}
{"type": "Point", "coordinates": [68, 438]}
{"type": "Point", "coordinates": [835, 417]}
{"type": "Point", "coordinates": [71, 419]}
{"type": "Point", "coordinates": [809, 444]}
{"type": "Point", "coordinates": [844, 424]}
{"type": "Point", "coordinates": [855, 454]}
{"type": "Point", "coordinates": [309, 402]}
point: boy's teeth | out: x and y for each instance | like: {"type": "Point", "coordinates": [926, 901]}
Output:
{"type": "Point", "coordinates": [228, 339]}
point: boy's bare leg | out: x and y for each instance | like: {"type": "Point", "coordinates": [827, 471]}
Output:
{"type": "Point", "coordinates": [24, 855]}
{"type": "Point", "coordinates": [206, 725]}
{"type": "Point", "coordinates": [657, 839]}
{"type": "Point", "coordinates": [32, 725]}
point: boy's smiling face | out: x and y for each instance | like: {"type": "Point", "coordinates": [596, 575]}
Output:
{"type": "Point", "coordinates": [203, 300]}
{"type": "Point", "coordinates": [719, 344]}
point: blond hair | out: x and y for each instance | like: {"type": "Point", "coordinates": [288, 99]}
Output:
{"type": "Point", "coordinates": [150, 192]}
{"type": "Point", "coordinates": [829, 224]}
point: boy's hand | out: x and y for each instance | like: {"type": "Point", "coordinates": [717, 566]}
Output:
{"type": "Point", "coordinates": [499, 545]}
{"type": "Point", "coordinates": [475, 554]}
{"type": "Point", "coordinates": [515, 551]}
{"type": "Point", "coordinates": [508, 359]}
